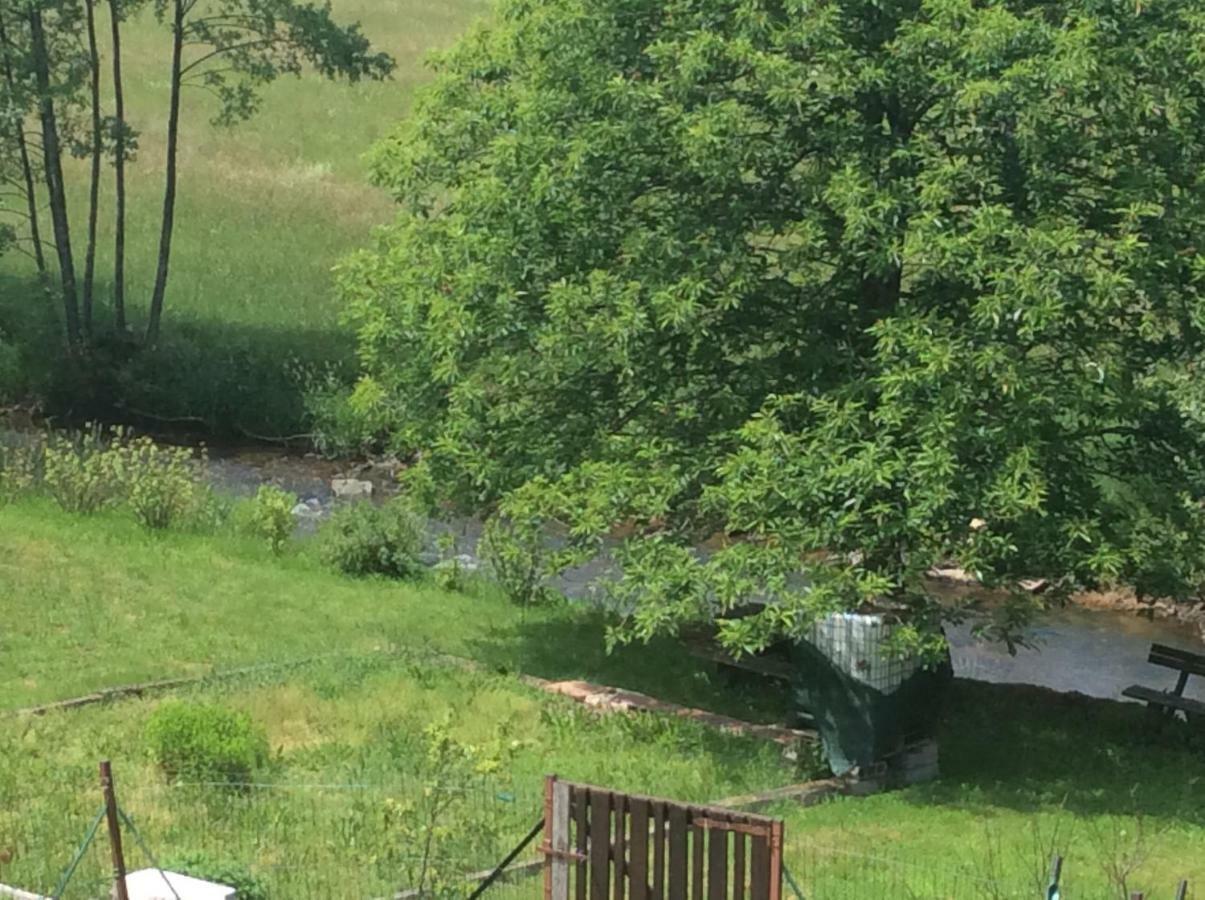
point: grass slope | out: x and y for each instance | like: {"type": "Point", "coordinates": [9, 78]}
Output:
{"type": "Point", "coordinates": [94, 602]}
{"type": "Point", "coordinates": [326, 819]}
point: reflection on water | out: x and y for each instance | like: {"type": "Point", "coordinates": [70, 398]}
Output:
{"type": "Point", "coordinates": [1090, 651]}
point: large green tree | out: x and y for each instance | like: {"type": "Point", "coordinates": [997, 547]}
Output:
{"type": "Point", "coordinates": [862, 287]}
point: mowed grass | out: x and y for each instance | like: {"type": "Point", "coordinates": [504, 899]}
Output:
{"type": "Point", "coordinates": [90, 603]}
{"type": "Point", "coordinates": [95, 602]}
{"type": "Point", "coordinates": [265, 210]}
{"type": "Point", "coordinates": [1026, 773]}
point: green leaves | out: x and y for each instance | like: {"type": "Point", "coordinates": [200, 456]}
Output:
{"type": "Point", "coordinates": [834, 292]}
{"type": "Point", "coordinates": [244, 44]}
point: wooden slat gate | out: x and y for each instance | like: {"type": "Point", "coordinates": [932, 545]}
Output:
{"type": "Point", "coordinates": [602, 845]}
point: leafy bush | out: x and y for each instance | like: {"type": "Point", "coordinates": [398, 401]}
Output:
{"type": "Point", "coordinates": [363, 539]}
{"type": "Point", "coordinates": [199, 864]}
{"type": "Point", "coordinates": [205, 741]}
{"type": "Point", "coordinates": [78, 473]}
{"type": "Point", "coordinates": [98, 469]}
{"type": "Point", "coordinates": [209, 511]}
{"type": "Point", "coordinates": [160, 484]}
{"type": "Point", "coordinates": [347, 420]}
{"type": "Point", "coordinates": [20, 469]}
{"type": "Point", "coordinates": [269, 516]}
{"type": "Point", "coordinates": [439, 822]}
{"type": "Point", "coordinates": [515, 552]}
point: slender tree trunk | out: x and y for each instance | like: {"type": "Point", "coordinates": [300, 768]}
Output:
{"type": "Point", "coordinates": [31, 195]}
{"type": "Point", "coordinates": [119, 229]}
{"type": "Point", "coordinates": [94, 184]}
{"type": "Point", "coordinates": [169, 187]}
{"type": "Point", "coordinates": [53, 165]}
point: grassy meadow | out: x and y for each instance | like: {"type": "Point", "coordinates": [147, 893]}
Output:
{"type": "Point", "coordinates": [265, 210]}
{"type": "Point", "coordinates": [328, 817]}
{"type": "Point", "coordinates": [96, 602]}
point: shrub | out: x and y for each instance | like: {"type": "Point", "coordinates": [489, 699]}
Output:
{"type": "Point", "coordinates": [205, 741]}
{"type": "Point", "coordinates": [199, 864]}
{"type": "Point", "coordinates": [516, 554]}
{"type": "Point", "coordinates": [160, 484]}
{"type": "Point", "coordinates": [347, 420]}
{"type": "Point", "coordinates": [363, 539]}
{"type": "Point", "coordinates": [209, 511]}
{"type": "Point", "coordinates": [269, 516]}
{"type": "Point", "coordinates": [20, 469]}
{"type": "Point", "coordinates": [78, 473]}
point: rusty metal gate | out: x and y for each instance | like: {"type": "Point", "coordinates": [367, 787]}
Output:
{"type": "Point", "coordinates": [603, 845]}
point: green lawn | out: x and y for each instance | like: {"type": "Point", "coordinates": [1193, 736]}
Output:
{"type": "Point", "coordinates": [91, 603]}
{"type": "Point", "coordinates": [265, 210]}
{"type": "Point", "coordinates": [96, 602]}
{"type": "Point", "coordinates": [1025, 772]}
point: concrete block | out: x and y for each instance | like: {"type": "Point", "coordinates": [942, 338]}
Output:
{"type": "Point", "coordinates": [351, 488]}
{"type": "Point", "coordinates": [148, 884]}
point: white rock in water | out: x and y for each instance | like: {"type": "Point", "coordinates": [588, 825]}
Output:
{"type": "Point", "coordinates": [149, 884]}
{"type": "Point", "coordinates": [351, 488]}
{"type": "Point", "coordinates": [310, 509]}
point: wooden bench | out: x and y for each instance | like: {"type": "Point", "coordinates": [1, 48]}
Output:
{"type": "Point", "coordinates": [765, 666]}
{"type": "Point", "coordinates": [1173, 701]}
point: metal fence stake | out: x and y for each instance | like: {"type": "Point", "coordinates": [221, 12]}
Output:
{"type": "Point", "coordinates": [1056, 874]}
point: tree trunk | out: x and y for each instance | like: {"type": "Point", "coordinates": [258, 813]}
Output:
{"type": "Point", "coordinates": [53, 165]}
{"type": "Point", "coordinates": [119, 229]}
{"type": "Point", "coordinates": [31, 196]}
{"type": "Point", "coordinates": [94, 184]}
{"type": "Point", "coordinates": [169, 187]}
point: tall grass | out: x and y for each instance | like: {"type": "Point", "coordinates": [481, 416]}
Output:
{"type": "Point", "coordinates": [326, 818]}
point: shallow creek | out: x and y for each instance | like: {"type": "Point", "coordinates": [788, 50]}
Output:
{"type": "Point", "coordinates": [1094, 652]}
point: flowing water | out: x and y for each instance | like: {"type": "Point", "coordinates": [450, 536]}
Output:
{"type": "Point", "coordinates": [1094, 652]}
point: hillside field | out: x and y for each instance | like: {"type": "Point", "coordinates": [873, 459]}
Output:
{"type": "Point", "coordinates": [265, 210]}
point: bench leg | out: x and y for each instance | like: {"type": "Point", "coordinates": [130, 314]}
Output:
{"type": "Point", "coordinates": [1158, 718]}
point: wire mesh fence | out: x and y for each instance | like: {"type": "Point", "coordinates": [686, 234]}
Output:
{"type": "Point", "coordinates": [294, 840]}
{"type": "Point", "coordinates": [836, 873]}
{"type": "Point", "coordinates": [373, 841]}
{"type": "Point", "coordinates": [822, 871]}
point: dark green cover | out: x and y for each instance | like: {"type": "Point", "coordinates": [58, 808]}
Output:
{"type": "Point", "coordinates": [859, 724]}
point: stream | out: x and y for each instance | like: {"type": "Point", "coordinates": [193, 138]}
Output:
{"type": "Point", "coordinates": [1093, 652]}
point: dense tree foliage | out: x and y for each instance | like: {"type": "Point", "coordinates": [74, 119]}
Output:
{"type": "Point", "coordinates": [872, 286]}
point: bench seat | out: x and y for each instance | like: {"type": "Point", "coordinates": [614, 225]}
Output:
{"type": "Point", "coordinates": [1166, 699]}
{"type": "Point", "coordinates": [766, 666]}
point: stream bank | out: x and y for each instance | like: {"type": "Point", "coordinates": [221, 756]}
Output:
{"type": "Point", "coordinates": [1096, 646]}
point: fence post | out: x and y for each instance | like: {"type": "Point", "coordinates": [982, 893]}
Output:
{"type": "Point", "coordinates": [1056, 874]}
{"type": "Point", "coordinates": [1182, 891]}
{"type": "Point", "coordinates": [550, 784]}
{"type": "Point", "coordinates": [1138, 895]}
{"type": "Point", "coordinates": [119, 861]}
